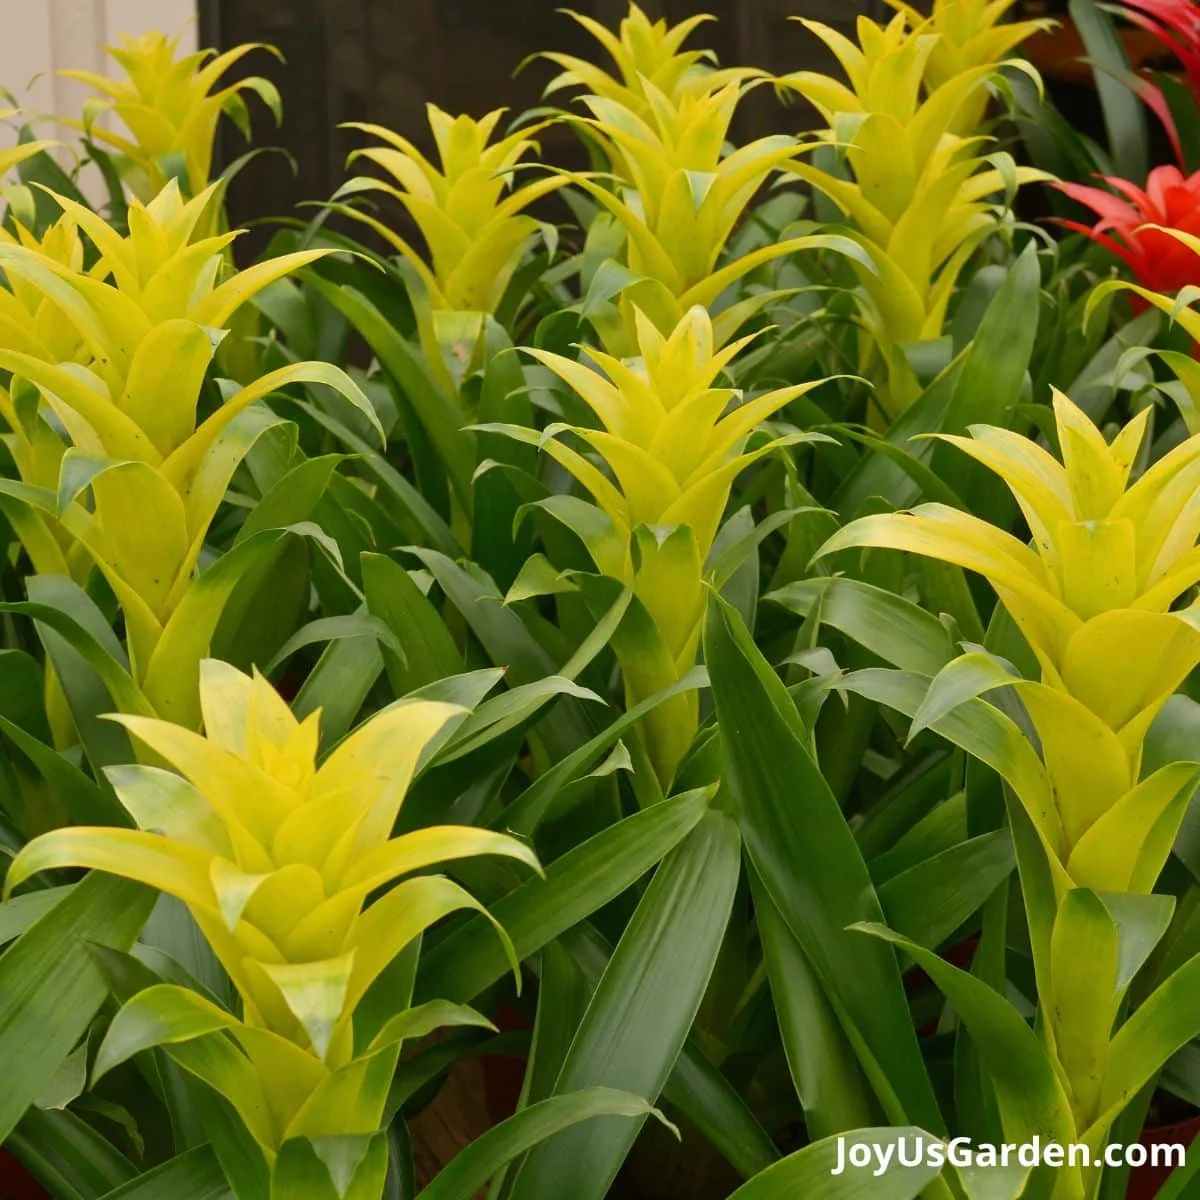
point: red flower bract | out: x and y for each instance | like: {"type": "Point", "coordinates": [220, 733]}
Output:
{"type": "Point", "coordinates": [1157, 260]}
{"type": "Point", "coordinates": [1176, 23]}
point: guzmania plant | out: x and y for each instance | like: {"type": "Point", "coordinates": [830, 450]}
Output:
{"type": "Point", "coordinates": [275, 859]}
{"type": "Point", "coordinates": [170, 110]}
{"type": "Point", "coordinates": [921, 196]}
{"type": "Point", "coordinates": [711, 631]}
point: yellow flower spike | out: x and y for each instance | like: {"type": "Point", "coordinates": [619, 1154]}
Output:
{"type": "Point", "coordinates": [678, 211]}
{"type": "Point", "coordinates": [169, 108]}
{"type": "Point", "coordinates": [166, 266]}
{"type": "Point", "coordinates": [137, 335]}
{"type": "Point", "coordinates": [1093, 597]}
{"type": "Point", "coordinates": [673, 443]}
{"type": "Point", "coordinates": [469, 210]}
{"type": "Point", "coordinates": [1126, 848]}
{"type": "Point", "coordinates": [922, 196]}
{"type": "Point", "coordinates": [663, 124]}
{"type": "Point", "coordinates": [13, 156]}
{"type": "Point", "coordinates": [1086, 764]}
{"type": "Point", "coordinates": [151, 514]}
{"type": "Point", "coordinates": [31, 322]}
{"type": "Point", "coordinates": [301, 974]}
{"type": "Point", "coordinates": [1149, 652]}
{"type": "Point", "coordinates": [970, 33]}
{"type": "Point", "coordinates": [62, 244]}
{"type": "Point", "coordinates": [157, 273]}
{"type": "Point", "coordinates": [648, 55]}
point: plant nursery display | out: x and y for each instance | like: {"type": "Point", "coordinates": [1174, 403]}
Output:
{"type": "Point", "coordinates": [672, 674]}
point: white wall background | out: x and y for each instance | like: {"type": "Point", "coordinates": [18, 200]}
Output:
{"type": "Point", "coordinates": [39, 37]}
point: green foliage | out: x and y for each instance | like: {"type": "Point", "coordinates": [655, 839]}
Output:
{"type": "Point", "coordinates": [729, 651]}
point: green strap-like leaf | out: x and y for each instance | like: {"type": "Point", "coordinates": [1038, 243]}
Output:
{"type": "Point", "coordinates": [508, 641]}
{"type": "Point", "coordinates": [437, 410]}
{"type": "Point", "coordinates": [1032, 1101]}
{"type": "Point", "coordinates": [525, 814]}
{"type": "Point", "coordinates": [470, 1170]}
{"type": "Point", "coordinates": [194, 1174]}
{"type": "Point", "coordinates": [810, 1172]}
{"type": "Point", "coordinates": [929, 901]}
{"type": "Point", "coordinates": [53, 987]}
{"type": "Point", "coordinates": [70, 1158]}
{"type": "Point", "coordinates": [158, 1016]}
{"type": "Point", "coordinates": [642, 1009]}
{"type": "Point", "coordinates": [899, 631]}
{"type": "Point", "coordinates": [1166, 1022]}
{"type": "Point", "coordinates": [576, 885]}
{"type": "Point", "coordinates": [810, 865]}
{"type": "Point", "coordinates": [828, 1078]}
{"type": "Point", "coordinates": [1124, 114]}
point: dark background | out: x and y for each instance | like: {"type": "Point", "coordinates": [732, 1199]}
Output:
{"type": "Point", "coordinates": [381, 60]}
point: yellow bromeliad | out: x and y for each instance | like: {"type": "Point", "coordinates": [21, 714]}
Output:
{"type": "Point", "coordinates": [680, 190]}
{"type": "Point", "coordinates": [169, 265]}
{"type": "Point", "coordinates": [1093, 597]}
{"type": "Point", "coordinates": [470, 214]}
{"type": "Point", "coordinates": [921, 195]}
{"type": "Point", "coordinates": [276, 859]}
{"type": "Point", "coordinates": [674, 440]}
{"type": "Point", "coordinates": [165, 268]}
{"type": "Point", "coordinates": [148, 318]}
{"type": "Point", "coordinates": [13, 156]}
{"type": "Point", "coordinates": [31, 321]}
{"type": "Point", "coordinates": [970, 34]}
{"type": "Point", "coordinates": [650, 61]}
{"type": "Point", "coordinates": [170, 109]}
{"type": "Point", "coordinates": [680, 196]}
{"type": "Point", "coordinates": [25, 312]}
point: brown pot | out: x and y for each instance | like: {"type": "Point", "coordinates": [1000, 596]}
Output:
{"type": "Point", "coordinates": [457, 1116]}
{"type": "Point", "coordinates": [478, 1094]}
{"type": "Point", "coordinates": [504, 1074]}
{"type": "Point", "coordinates": [16, 1183]}
{"type": "Point", "coordinates": [917, 982]}
{"type": "Point", "coordinates": [1059, 53]}
{"type": "Point", "coordinates": [1145, 1182]}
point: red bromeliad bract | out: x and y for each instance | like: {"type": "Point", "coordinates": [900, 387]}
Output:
{"type": "Point", "coordinates": [1176, 23]}
{"type": "Point", "coordinates": [1126, 226]}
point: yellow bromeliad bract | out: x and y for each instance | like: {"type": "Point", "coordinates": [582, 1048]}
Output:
{"type": "Point", "coordinates": [673, 441]}
{"type": "Point", "coordinates": [143, 320]}
{"type": "Point", "coordinates": [13, 156]}
{"type": "Point", "coordinates": [920, 199]}
{"type": "Point", "coordinates": [31, 322]}
{"type": "Point", "coordinates": [681, 194]}
{"type": "Point", "coordinates": [1093, 597]}
{"type": "Point", "coordinates": [469, 211]}
{"type": "Point", "coordinates": [167, 267]}
{"type": "Point", "coordinates": [650, 61]}
{"type": "Point", "coordinates": [275, 859]}
{"type": "Point", "coordinates": [970, 34]}
{"type": "Point", "coordinates": [146, 322]}
{"type": "Point", "coordinates": [170, 109]}
{"type": "Point", "coordinates": [29, 318]}
{"type": "Point", "coordinates": [675, 187]}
